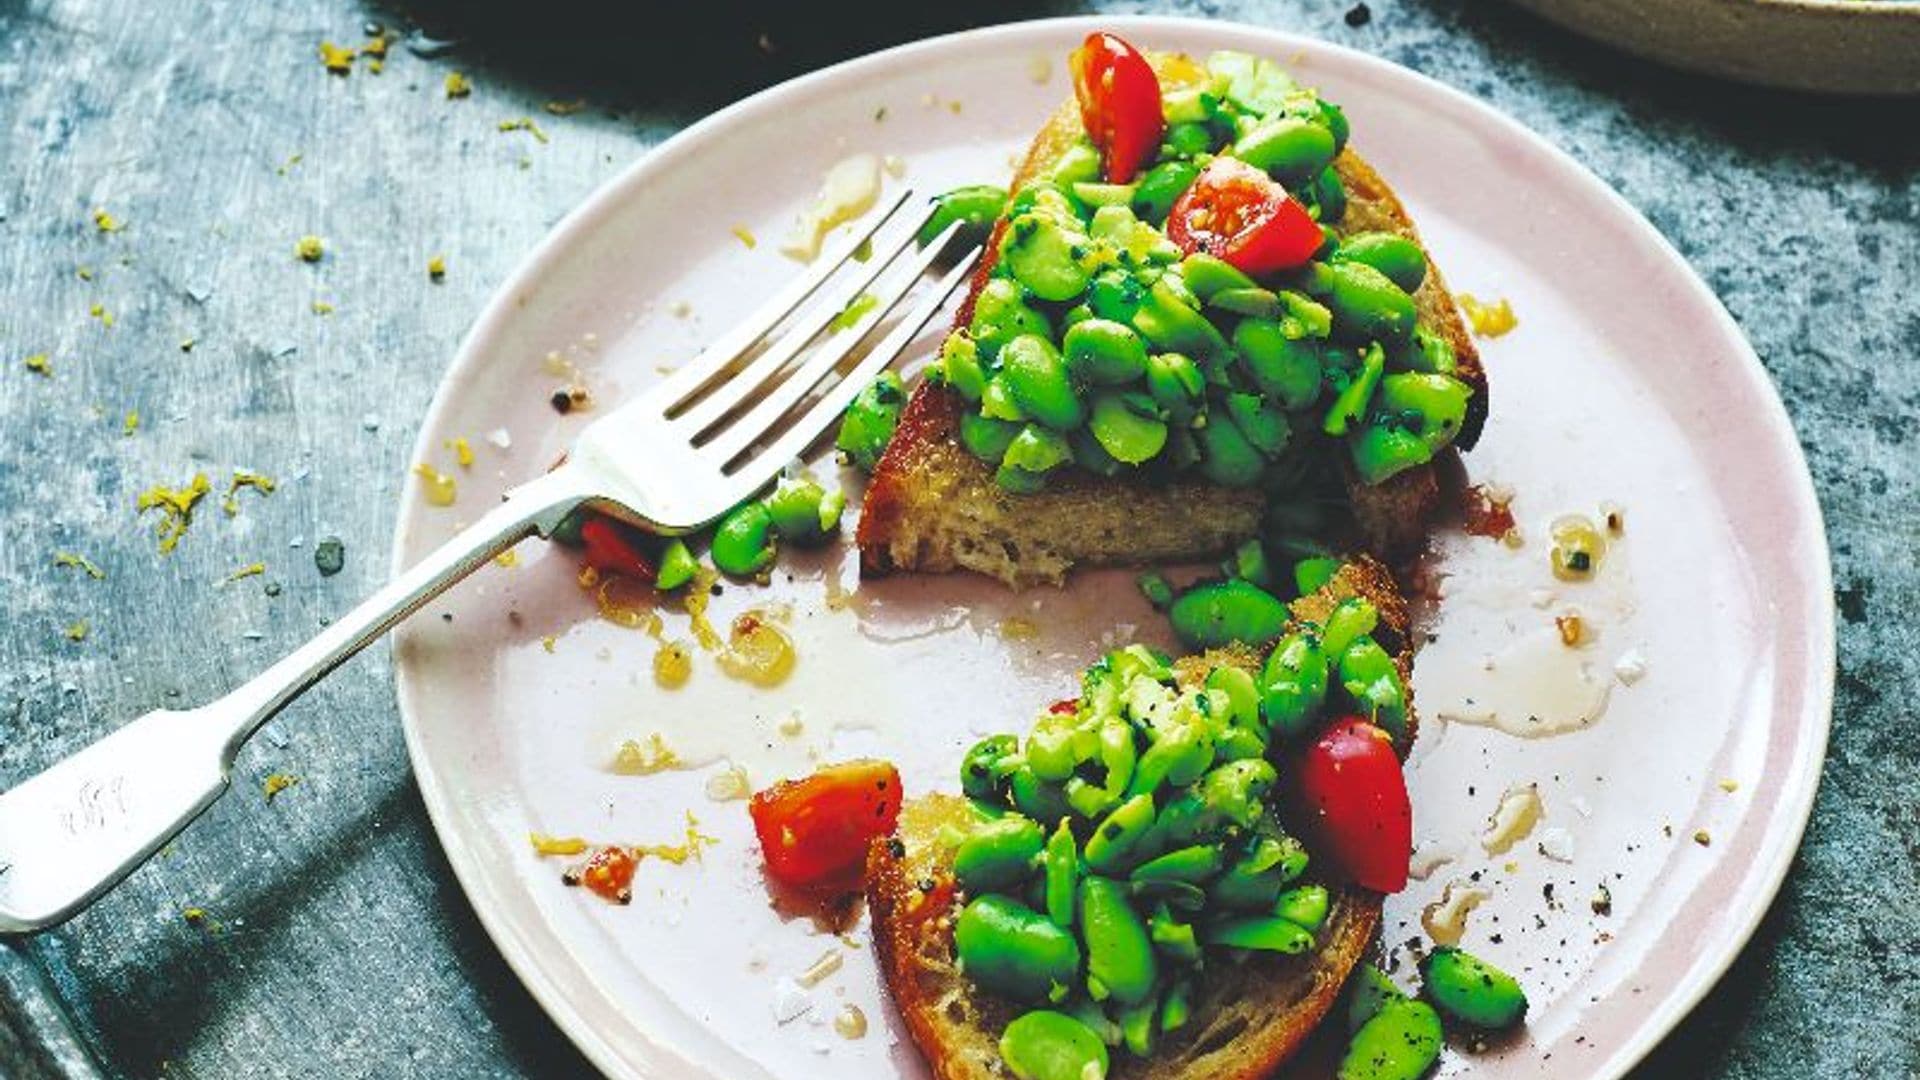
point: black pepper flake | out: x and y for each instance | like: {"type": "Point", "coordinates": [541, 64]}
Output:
{"type": "Point", "coordinates": [561, 401]}
{"type": "Point", "coordinates": [1359, 15]}
{"type": "Point", "coordinates": [895, 848]}
{"type": "Point", "coordinates": [329, 556]}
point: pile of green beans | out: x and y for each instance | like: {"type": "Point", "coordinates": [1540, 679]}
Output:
{"type": "Point", "coordinates": [1096, 345]}
{"type": "Point", "coordinates": [1121, 842]}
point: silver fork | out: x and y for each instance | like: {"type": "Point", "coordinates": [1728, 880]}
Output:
{"type": "Point", "coordinates": [674, 460]}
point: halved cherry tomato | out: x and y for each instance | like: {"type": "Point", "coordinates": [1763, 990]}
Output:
{"type": "Point", "coordinates": [1353, 799]}
{"type": "Point", "coordinates": [611, 548]}
{"type": "Point", "coordinates": [1238, 213]}
{"type": "Point", "coordinates": [1119, 103]}
{"type": "Point", "coordinates": [1065, 706]}
{"type": "Point", "coordinates": [814, 832]}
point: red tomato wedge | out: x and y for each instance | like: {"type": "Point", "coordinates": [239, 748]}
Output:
{"type": "Point", "coordinates": [1119, 99]}
{"type": "Point", "coordinates": [814, 832]}
{"type": "Point", "coordinates": [1353, 799]}
{"type": "Point", "coordinates": [611, 548]}
{"type": "Point", "coordinates": [1240, 214]}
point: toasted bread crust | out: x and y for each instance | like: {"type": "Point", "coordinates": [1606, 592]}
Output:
{"type": "Point", "coordinates": [932, 506]}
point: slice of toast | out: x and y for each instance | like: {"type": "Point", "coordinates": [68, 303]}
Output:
{"type": "Point", "coordinates": [932, 506]}
{"type": "Point", "coordinates": [1248, 1018]}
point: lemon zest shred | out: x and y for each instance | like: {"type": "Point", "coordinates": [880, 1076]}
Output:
{"type": "Point", "coordinates": [310, 248]}
{"type": "Point", "coordinates": [526, 124]}
{"type": "Point", "coordinates": [457, 85]}
{"type": "Point", "coordinates": [79, 562]}
{"type": "Point", "coordinates": [130, 423]}
{"type": "Point", "coordinates": [106, 222]}
{"type": "Point", "coordinates": [176, 508]}
{"type": "Point", "coordinates": [252, 569]}
{"type": "Point", "coordinates": [337, 59]}
{"type": "Point", "coordinates": [39, 364]}
{"type": "Point", "coordinates": [77, 630]}
{"type": "Point", "coordinates": [556, 845]}
{"type": "Point", "coordinates": [277, 783]}
{"type": "Point", "coordinates": [245, 478]}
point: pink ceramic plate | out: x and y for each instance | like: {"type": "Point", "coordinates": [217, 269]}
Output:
{"type": "Point", "coordinates": [1624, 382]}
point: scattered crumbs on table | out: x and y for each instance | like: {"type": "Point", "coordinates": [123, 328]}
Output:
{"type": "Point", "coordinates": [547, 642]}
{"type": "Point", "coordinates": [99, 311]}
{"type": "Point", "coordinates": [76, 561]}
{"type": "Point", "coordinates": [507, 559]}
{"type": "Point", "coordinates": [1359, 15]}
{"type": "Point", "coordinates": [457, 85]}
{"type": "Point", "coordinates": [500, 438]}
{"type": "Point", "coordinates": [376, 45]}
{"type": "Point", "coordinates": [523, 123]}
{"type": "Point", "coordinates": [437, 269]}
{"type": "Point", "coordinates": [176, 508]}
{"type": "Point", "coordinates": [321, 307]}
{"type": "Point", "coordinates": [287, 165]}
{"type": "Point", "coordinates": [106, 222]}
{"type": "Point", "coordinates": [1703, 838]}
{"type": "Point", "coordinates": [1602, 902]}
{"type": "Point", "coordinates": [565, 108]}
{"type": "Point", "coordinates": [252, 569]}
{"type": "Point", "coordinates": [77, 630]}
{"type": "Point", "coordinates": [130, 423]}
{"type": "Point", "coordinates": [336, 58]}
{"type": "Point", "coordinates": [245, 478]}
{"type": "Point", "coordinates": [39, 364]}
{"type": "Point", "coordinates": [1729, 785]}
{"type": "Point", "coordinates": [198, 916]}
{"type": "Point", "coordinates": [880, 115]}
{"type": "Point", "coordinates": [745, 236]}
{"type": "Point", "coordinates": [310, 248]}
{"type": "Point", "coordinates": [437, 487]}
{"type": "Point", "coordinates": [329, 556]}
{"type": "Point", "coordinates": [275, 783]}
{"type": "Point", "coordinates": [272, 588]}
{"type": "Point", "coordinates": [680, 309]}
{"type": "Point", "coordinates": [83, 272]}
{"type": "Point", "coordinates": [370, 422]}
{"type": "Point", "coordinates": [187, 344]}
{"type": "Point", "coordinates": [462, 450]}
{"type": "Point", "coordinates": [954, 106]}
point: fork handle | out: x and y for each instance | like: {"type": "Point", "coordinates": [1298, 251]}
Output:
{"type": "Point", "coordinates": [71, 832]}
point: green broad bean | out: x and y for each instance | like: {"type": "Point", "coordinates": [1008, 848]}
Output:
{"type": "Point", "coordinates": [1257, 303]}
{"type": "Point", "coordinates": [1000, 314]}
{"type": "Point", "coordinates": [1239, 744]}
{"type": "Point", "coordinates": [1048, 1045]}
{"type": "Point", "coordinates": [976, 207]}
{"type": "Point", "coordinates": [1254, 82]}
{"type": "Point", "coordinates": [1262, 425]}
{"type": "Point", "coordinates": [1209, 616]}
{"type": "Point", "coordinates": [1155, 587]}
{"type": "Point", "coordinates": [1120, 959]}
{"type": "Point", "coordinates": [1285, 367]}
{"type": "Point", "coordinates": [1427, 351]}
{"type": "Point", "coordinates": [996, 401]}
{"type": "Point", "coordinates": [1400, 259]}
{"type": "Point", "coordinates": [1186, 821]}
{"type": "Point", "coordinates": [1189, 135]}
{"type": "Point", "coordinates": [1104, 352]}
{"type": "Point", "coordinates": [1036, 798]}
{"type": "Point", "coordinates": [1073, 316]}
{"type": "Point", "coordinates": [997, 856]}
{"type": "Point", "coordinates": [1401, 1042]}
{"type": "Point", "coordinates": [1176, 384]}
{"type": "Point", "coordinates": [1367, 993]}
{"type": "Point", "coordinates": [1154, 195]}
{"type": "Point", "coordinates": [1177, 894]}
{"type": "Point", "coordinates": [1117, 757]}
{"type": "Point", "coordinates": [1061, 864]}
{"type": "Point", "coordinates": [1137, 1028]}
{"type": "Point", "coordinates": [1366, 304]}
{"type": "Point", "coordinates": [1080, 163]}
{"type": "Point", "coordinates": [1238, 790]}
{"type": "Point", "coordinates": [1227, 457]}
{"type": "Point", "coordinates": [1116, 295]}
{"type": "Point", "coordinates": [1471, 990]}
{"type": "Point", "coordinates": [1192, 865]}
{"type": "Point", "coordinates": [1255, 882]}
{"type": "Point", "coordinates": [1050, 748]}
{"type": "Point", "coordinates": [1047, 198]}
{"type": "Point", "coordinates": [1174, 939]}
{"type": "Point", "coordinates": [1432, 406]}
{"type": "Point", "coordinates": [1136, 660]}
{"type": "Point", "coordinates": [1349, 621]}
{"type": "Point", "coordinates": [1304, 905]}
{"type": "Point", "coordinates": [1207, 275]}
{"type": "Point", "coordinates": [1289, 148]}
{"type": "Point", "coordinates": [795, 506]}
{"type": "Point", "coordinates": [1091, 193]}
{"type": "Point", "coordinates": [1183, 450]}
{"type": "Point", "coordinates": [1295, 685]}
{"type": "Point", "coordinates": [1312, 574]}
{"type": "Point", "coordinates": [987, 438]}
{"type": "Point", "coordinates": [1350, 404]}
{"type": "Point", "coordinates": [1243, 696]}
{"type": "Point", "coordinates": [1089, 454]}
{"type": "Point", "coordinates": [1173, 324]}
{"type": "Point", "coordinates": [1249, 563]}
{"type": "Point", "coordinates": [959, 366]}
{"type": "Point", "coordinates": [1111, 843]}
{"type": "Point", "coordinates": [1036, 375]}
{"type": "Point", "coordinates": [871, 416]}
{"type": "Point", "coordinates": [1012, 950]}
{"type": "Point", "coordinates": [1263, 933]}
{"type": "Point", "coordinates": [1329, 197]}
{"type": "Point", "coordinates": [1336, 121]}
{"type": "Point", "coordinates": [1043, 255]}
{"type": "Point", "coordinates": [983, 771]}
{"type": "Point", "coordinates": [1036, 450]}
{"type": "Point", "coordinates": [743, 543]}
{"type": "Point", "coordinates": [1373, 684]}
{"type": "Point", "coordinates": [1305, 317]}
{"type": "Point", "coordinates": [1176, 1005]}
{"type": "Point", "coordinates": [677, 566]}
{"type": "Point", "coordinates": [1176, 758]}
{"type": "Point", "coordinates": [1381, 451]}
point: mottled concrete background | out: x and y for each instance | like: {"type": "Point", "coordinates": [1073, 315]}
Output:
{"type": "Point", "coordinates": [213, 136]}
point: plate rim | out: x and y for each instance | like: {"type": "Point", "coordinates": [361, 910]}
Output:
{"type": "Point", "coordinates": [500, 308]}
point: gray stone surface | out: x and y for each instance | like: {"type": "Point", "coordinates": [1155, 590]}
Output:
{"type": "Point", "coordinates": [340, 944]}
